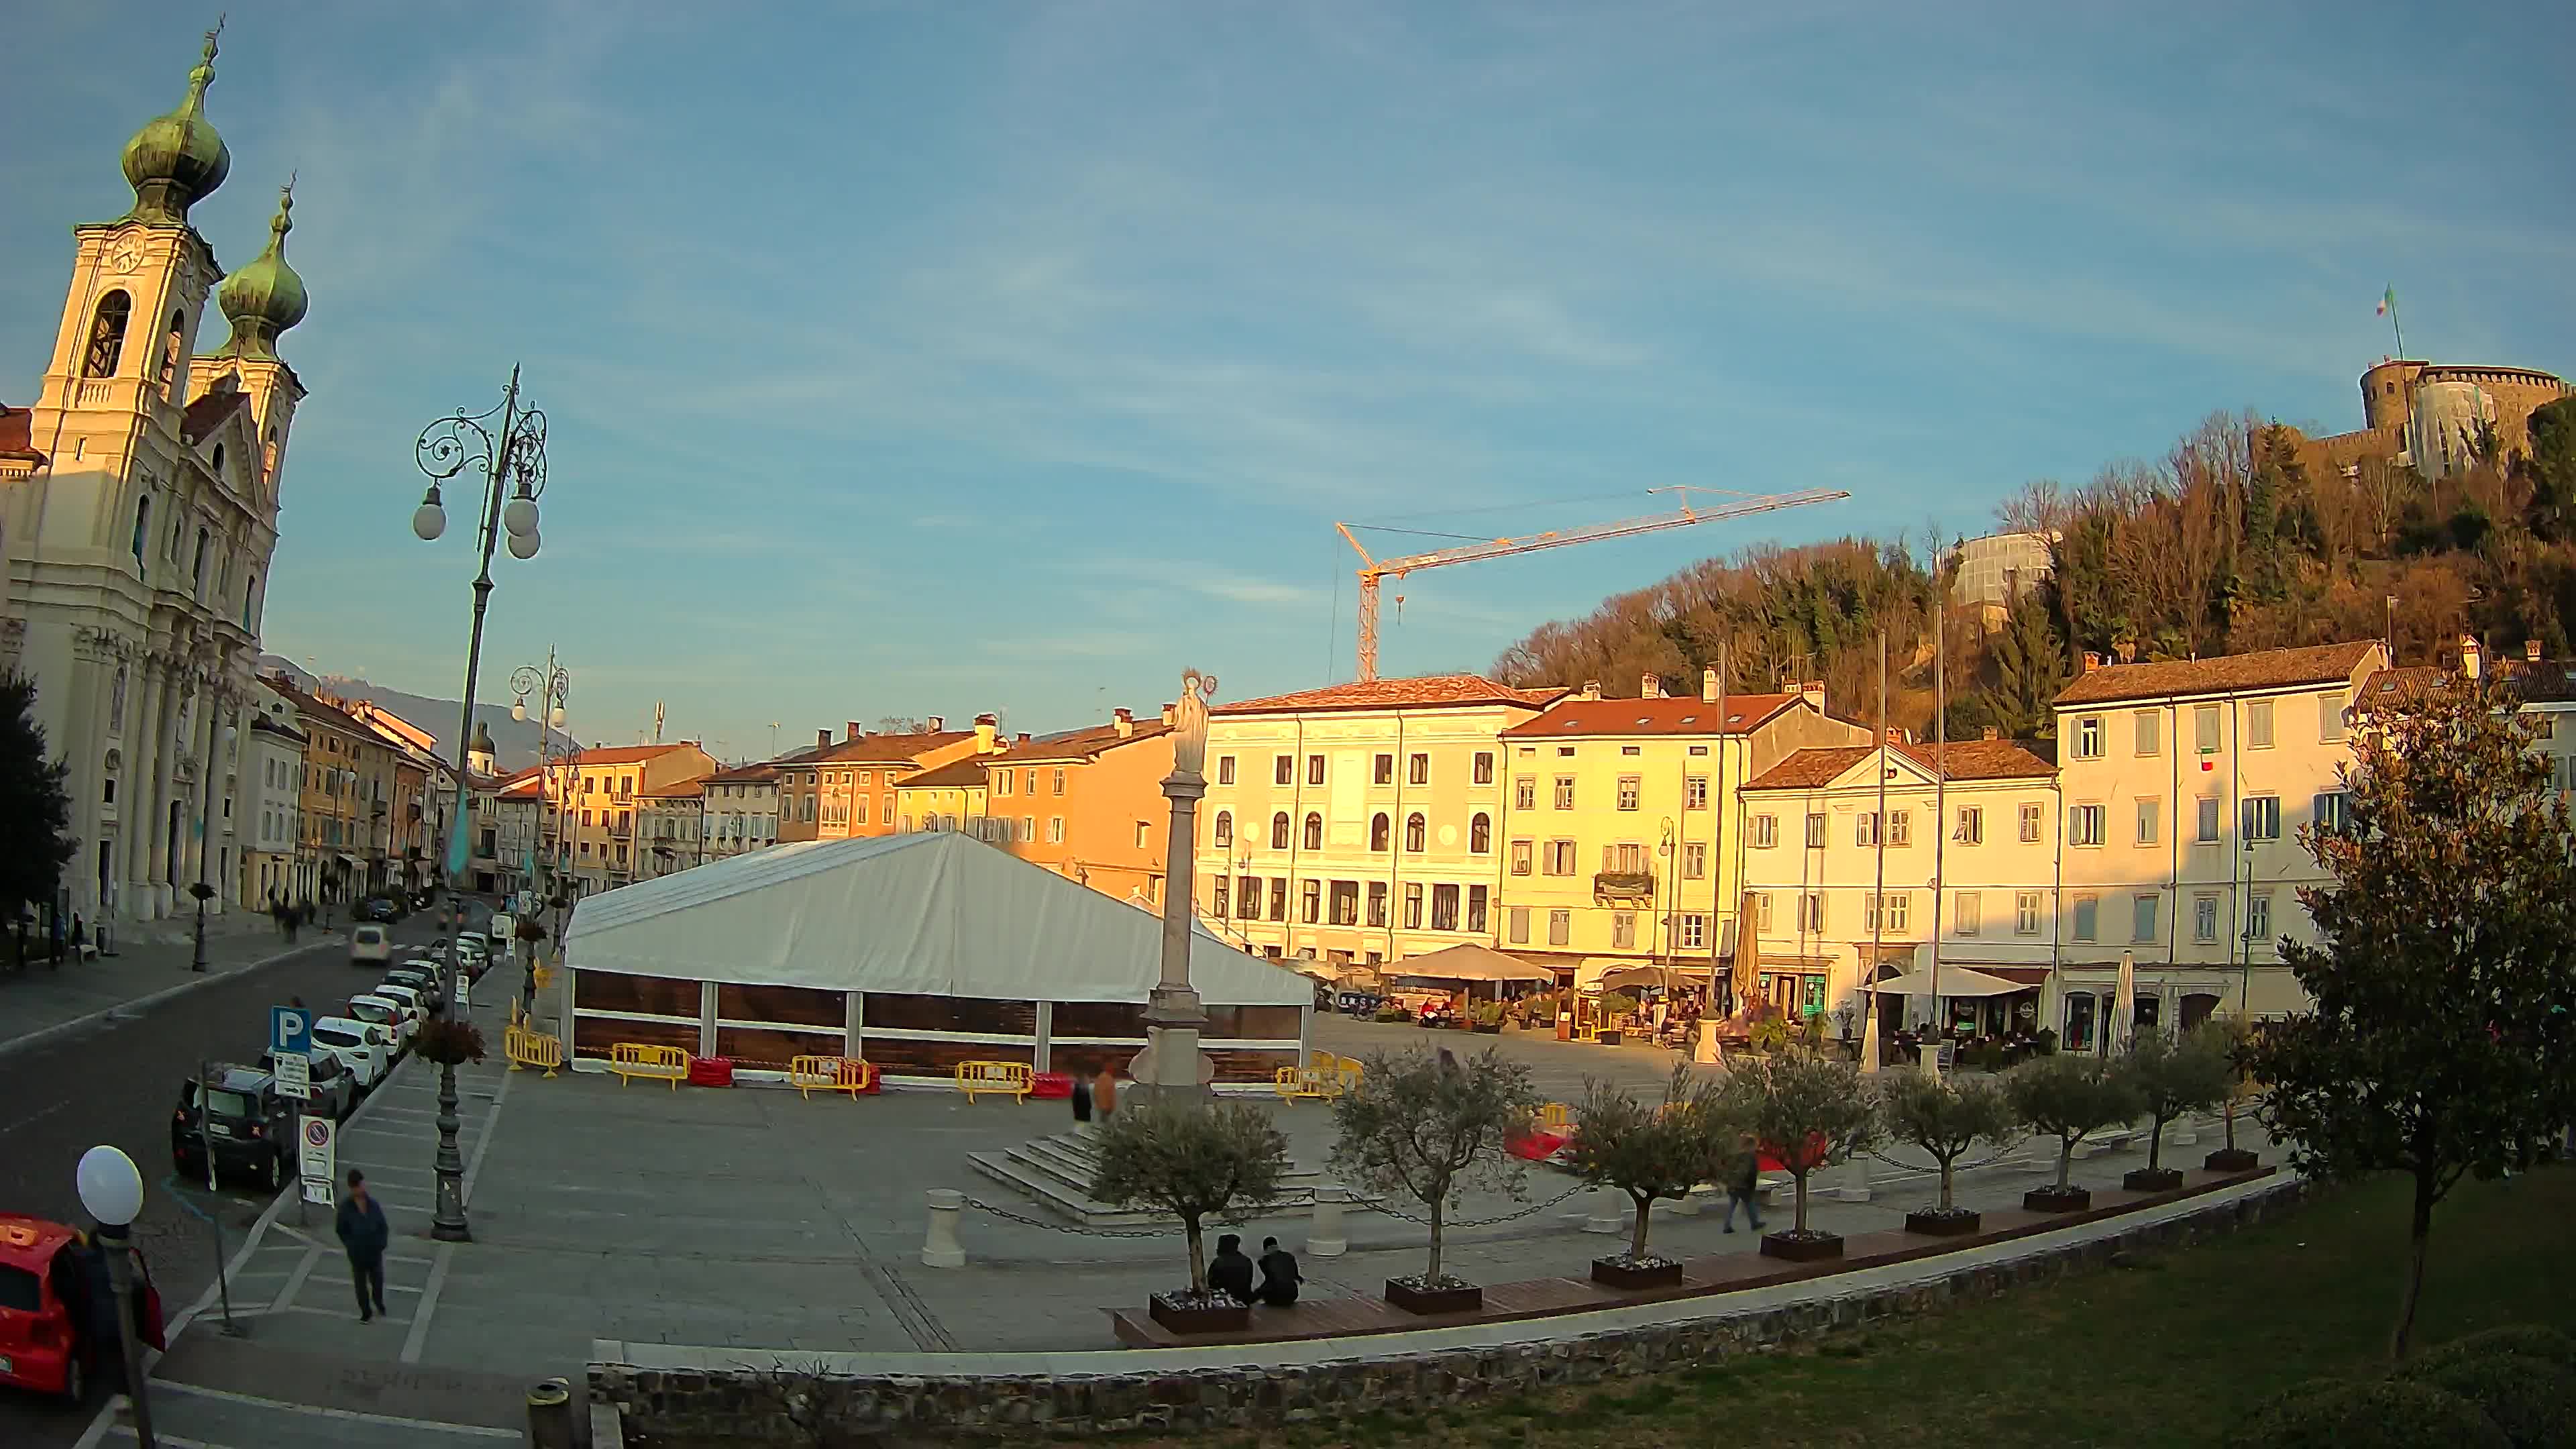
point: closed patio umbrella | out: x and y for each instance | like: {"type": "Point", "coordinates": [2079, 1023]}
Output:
{"type": "Point", "coordinates": [2124, 1004]}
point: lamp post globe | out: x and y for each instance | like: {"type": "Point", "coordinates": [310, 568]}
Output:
{"type": "Point", "coordinates": [111, 1191]}
{"type": "Point", "coordinates": [523, 546]}
{"type": "Point", "coordinates": [557, 718]}
{"type": "Point", "coordinates": [429, 520]}
{"type": "Point", "coordinates": [519, 708]}
{"type": "Point", "coordinates": [111, 1188]}
{"type": "Point", "coordinates": [519, 515]}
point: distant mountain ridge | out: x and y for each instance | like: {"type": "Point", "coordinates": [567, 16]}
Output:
{"type": "Point", "coordinates": [515, 743]}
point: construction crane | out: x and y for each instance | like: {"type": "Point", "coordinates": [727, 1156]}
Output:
{"type": "Point", "coordinates": [1374, 570]}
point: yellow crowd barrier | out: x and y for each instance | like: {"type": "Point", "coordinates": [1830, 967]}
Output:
{"type": "Point", "coordinates": [1010, 1079]}
{"type": "Point", "coordinates": [632, 1059]}
{"type": "Point", "coordinates": [530, 1048]}
{"type": "Point", "coordinates": [812, 1074]}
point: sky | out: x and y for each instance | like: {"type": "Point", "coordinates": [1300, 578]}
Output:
{"type": "Point", "coordinates": [935, 358]}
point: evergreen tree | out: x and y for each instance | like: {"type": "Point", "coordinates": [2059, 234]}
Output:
{"type": "Point", "coordinates": [35, 806]}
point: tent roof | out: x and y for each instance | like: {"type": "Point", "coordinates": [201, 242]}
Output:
{"type": "Point", "coordinates": [1468, 962]}
{"type": "Point", "coordinates": [1955, 981]}
{"type": "Point", "coordinates": [933, 914]}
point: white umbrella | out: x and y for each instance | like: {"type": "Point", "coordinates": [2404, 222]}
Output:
{"type": "Point", "coordinates": [2124, 1003]}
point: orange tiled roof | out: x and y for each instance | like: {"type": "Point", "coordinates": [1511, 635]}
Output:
{"type": "Point", "coordinates": [207, 413]}
{"type": "Point", "coordinates": [744, 775]}
{"type": "Point", "coordinates": [17, 434]}
{"type": "Point", "coordinates": [684, 790]}
{"type": "Point", "coordinates": [1682, 715]}
{"type": "Point", "coordinates": [1087, 743]}
{"type": "Point", "coordinates": [1815, 767]}
{"type": "Point", "coordinates": [877, 749]}
{"type": "Point", "coordinates": [624, 754]}
{"type": "Point", "coordinates": [1423, 691]}
{"type": "Point", "coordinates": [2227, 674]}
{"type": "Point", "coordinates": [965, 772]}
{"type": "Point", "coordinates": [328, 714]}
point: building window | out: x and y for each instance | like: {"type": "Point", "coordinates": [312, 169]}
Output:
{"type": "Point", "coordinates": [2258, 724]}
{"type": "Point", "coordinates": [1221, 897]}
{"type": "Point", "coordinates": [2207, 824]}
{"type": "Point", "coordinates": [1225, 827]}
{"type": "Point", "coordinates": [1811, 913]}
{"type": "Point", "coordinates": [1762, 910]}
{"type": "Point", "coordinates": [1314, 769]}
{"type": "Point", "coordinates": [1627, 857]}
{"type": "Point", "coordinates": [2084, 825]}
{"type": "Point", "coordinates": [1413, 832]}
{"type": "Point", "coordinates": [142, 527]}
{"type": "Point", "coordinates": [2026, 913]}
{"type": "Point", "coordinates": [1279, 831]}
{"type": "Point", "coordinates": [1480, 833]}
{"type": "Point", "coordinates": [2149, 737]}
{"type": "Point", "coordinates": [1003, 782]}
{"type": "Point", "coordinates": [1524, 792]}
{"type": "Point", "coordinates": [1144, 830]}
{"type": "Point", "coordinates": [1247, 903]}
{"type": "Point", "coordinates": [1279, 898]}
{"type": "Point", "coordinates": [1412, 906]}
{"type": "Point", "coordinates": [2088, 912]}
{"type": "Point", "coordinates": [1377, 903]}
{"type": "Point", "coordinates": [1967, 913]}
{"type": "Point", "coordinates": [1310, 898]}
{"type": "Point", "coordinates": [1314, 831]}
{"type": "Point", "coordinates": [1695, 860]}
{"type": "Point", "coordinates": [1565, 792]}
{"type": "Point", "coordinates": [1284, 770]}
{"type": "Point", "coordinates": [1865, 829]}
{"type": "Point", "coordinates": [2088, 737]}
{"type": "Point", "coordinates": [2262, 817]}
{"type": "Point", "coordinates": [1899, 907]}
{"type": "Point", "coordinates": [2204, 919]}
{"type": "Point", "coordinates": [1695, 793]}
{"type": "Point", "coordinates": [2258, 918]}
{"type": "Point", "coordinates": [1629, 789]}
{"type": "Point", "coordinates": [1484, 768]}
{"type": "Point", "coordinates": [1382, 770]}
{"type": "Point", "coordinates": [1444, 908]}
{"type": "Point", "coordinates": [1417, 770]}
{"type": "Point", "coordinates": [1970, 828]}
{"type": "Point", "coordinates": [1055, 830]}
{"type": "Point", "coordinates": [1516, 923]}
{"type": "Point", "coordinates": [2204, 728]}
{"type": "Point", "coordinates": [1560, 928]}
{"type": "Point", "coordinates": [1900, 827]}
{"type": "Point", "coordinates": [2031, 815]}
{"type": "Point", "coordinates": [2143, 928]}
{"type": "Point", "coordinates": [2330, 725]}
{"type": "Point", "coordinates": [2150, 820]}
{"type": "Point", "coordinates": [1476, 897]}
{"type": "Point", "coordinates": [1225, 769]}
{"type": "Point", "coordinates": [1379, 831]}
{"type": "Point", "coordinates": [1059, 789]}
{"type": "Point", "coordinates": [1765, 830]}
{"type": "Point", "coordinates": [1520, 857]}
{"type": "Point", "coordinates": [1560, 858]}
{"type": "Point", "coordinates": [1623, 930]}
{"type": "Point", "coordinates": [2333, 808]}
{"type": "Point", "coordinates": [107, 335]}
{"type": "Point", "coordinates": [1346, 903]}
{"type": "Point", "coordinates": [1816, 830]}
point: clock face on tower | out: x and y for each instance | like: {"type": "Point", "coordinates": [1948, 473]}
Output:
{"type": "Point", "coordinates": [125, 254]}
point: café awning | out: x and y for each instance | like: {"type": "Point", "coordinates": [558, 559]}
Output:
{"type": "Point", "coordinates": [1469, 962]}
{"type": "Point", "coordinates": [1955, 981]}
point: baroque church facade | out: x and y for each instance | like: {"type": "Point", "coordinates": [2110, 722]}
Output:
{"type": "Point", "coordinates": [138, 515]}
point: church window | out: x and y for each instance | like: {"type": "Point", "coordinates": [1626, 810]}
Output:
{"type": "Point", "coordinates": [142, 521]}
{"type": "Point", "coordinates": [197, 570]}
{"type": "Point", "coordinates": [116, 702]}
{"type": "Point", "coordinates": [170, 346]}
{"type": "Point", "coordinates": [219, 460]}
{"type": "Point", "coordinates": [107, 335]}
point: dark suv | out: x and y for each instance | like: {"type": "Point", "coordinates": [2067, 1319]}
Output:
{"type": "Point", "coordinates": [382, 908]}
{"type": "Point", "coordinates": [251, 1128]}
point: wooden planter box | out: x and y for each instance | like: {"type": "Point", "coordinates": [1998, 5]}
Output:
{"type": "Point", "coordinates": [1802, 1250]}
{"type": "Point", "coordinates": [2231, 1159]}
{"type": "Point", "coordinates": [1482, 1029]}
{"type": "Point", "coordinates": [1403, 1295]}
{"type": "Point", "coordinates": [1223, 1318]}
{"type": "Point", "coordinates": [2056, 1200]}
{"type": "Point", "coordinates": [1612, 1038]}
{"type": "Point", "coordinates": [1612, 1273]}
{"type": "Point", "coordinates": [1935, 1224]}
{"type": "Point", "coordinates": [2152, 1179]}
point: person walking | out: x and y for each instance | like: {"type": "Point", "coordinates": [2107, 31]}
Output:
{"type": "Point", "coordinates": [1104, 1093]}
{"type": "Point", "coordinates": [364, 1232]}
{"type": "Point", "coordinates": [1230, 1272]}
{"type": "Point", "coordinates": [1279, 1275]}
{"type": "Point", "coordinates": [1743, 1177]}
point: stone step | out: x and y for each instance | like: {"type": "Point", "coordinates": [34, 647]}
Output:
{"type": "Point", "coordinates": [1076, 1162]}
{"type": "Point", "coordinates": [1068, 1200]}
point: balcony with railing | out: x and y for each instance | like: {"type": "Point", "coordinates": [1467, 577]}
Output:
{"type": "Point", "coordinates": [1623, 885]}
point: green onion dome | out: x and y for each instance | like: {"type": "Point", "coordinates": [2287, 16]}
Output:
{"type": "Point", "coordinates": [266, 297]}
{"type": "Point", "coordinates": [178, 159]}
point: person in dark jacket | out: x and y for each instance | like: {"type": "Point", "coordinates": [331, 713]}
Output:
{"type": "Point", "coordinates": [364, 1232]}
{"type": "Point", "coordinates": [1231, 1271]}
{"type": "Point", "coordinates": [1279, 1275]}
{"type": "Point", "coordinates": [1742, 1177]}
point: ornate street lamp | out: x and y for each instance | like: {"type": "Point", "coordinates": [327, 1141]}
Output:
{"type": "Point", "coordinates": [217, 741]}
{"type": "Point", "coordinates": [111, 1191]}
{"type": "Point", "coordinates": [1173, 1015]}
{"type": "Point", "coordinates": [507, 446]}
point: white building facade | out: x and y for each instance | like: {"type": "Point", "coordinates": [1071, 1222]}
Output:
{"type": "Point", "coordinates": [269, 815]}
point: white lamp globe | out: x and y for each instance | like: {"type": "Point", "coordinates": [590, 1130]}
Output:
{"type": "Point", "coordinates": [524, 545]}
{"type": "Point", "coordinates": [110, 1188]}
{"type": "Point", "coordinates": [557, 718]}
{"type": "Point", "coordinates": [429, 520]}
{"type": "Point", "coordinates": [519, 708]}
{"type": "Point", "coordinates": [520, 515]}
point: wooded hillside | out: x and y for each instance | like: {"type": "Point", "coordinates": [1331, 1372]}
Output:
{"type": "Point", "coordinates": [2239, 538]}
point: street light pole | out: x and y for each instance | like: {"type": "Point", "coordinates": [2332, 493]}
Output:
{"type": "Point", "coordinates": [511, 453]}
{"type": "Point", "coordinates": [218, 737]}
{"type": "Point", "coordinates": [1173, 1015]}
{"type": "Point", "coordinates": [111, 1190]}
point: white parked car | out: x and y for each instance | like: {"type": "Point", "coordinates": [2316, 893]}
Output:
{"type": "Point", "coordinates": [366, 1048]}
{"type": "Point", "coordinates": [411, 999]}
{"type": "Point", "coordinates": [386, 1012]}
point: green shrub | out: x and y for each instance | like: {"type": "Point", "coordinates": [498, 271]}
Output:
{"type": "Point", "coordinates": [2523, 1340]}
{"type": "Point", "coordinates": [2388, 1414]}
{"type": "Point", "coordinates": [2532, 1400]}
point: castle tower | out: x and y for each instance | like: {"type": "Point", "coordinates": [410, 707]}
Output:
{"type": "Point", "coordinates": [2388, 394]}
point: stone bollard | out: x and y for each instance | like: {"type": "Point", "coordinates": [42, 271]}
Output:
{"type": "Point", "coordinates": [550, 1414]}
{"type": "Point", "coordinates": [1854, 1186]}
{"type": "Point", "coordinates": [940, 1249]}
{"type": "Point", "coordinates": [1326, 1237]}
{"type": "Point", "coordinates": [2182, 1133]}
{"type": "Point", "coordinates": [1687, 1205]}
{"type": "Point", "coordinates": [1608, 1211]}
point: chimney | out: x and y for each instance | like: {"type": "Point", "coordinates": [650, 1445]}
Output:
{"type": "Point", "coordinates": [1170, 713]}
{"type": "Point", "coordinates": [1708, 685]}
{"type": "Point", "coordinates": [2128, 650]}
{"type": "Point", "coordinates": [1123, 721]}
{"type": "Point", "coordinates": [1814, 692]}
{"type": "Point", "coordinates": [822, 739]}
{"type": "Point", "coordinates": [1022, 738]}
{"type": "Point", "coordinates": [2531, 651]}
{"type": "Point", "coordinates": [1992, 733]}
{"type": "Point", "coordinates": [937, 724]}
{"type": "Point", "coordinates": [1650, 687]}
{"type": "Point", "coordinates": [988, 729]}
{"type": "Point", "coordinates": [2472, 661]}
{"type": "Point", "coordinates": [1592, 689]}
{"type": "Point", "coordinates": [2092, 661]}
{"type": "Point", "coordinates": [851, 730]}
{"type": "Point", "coordinates": [1895, 735]}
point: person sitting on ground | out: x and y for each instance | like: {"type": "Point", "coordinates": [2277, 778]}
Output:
{"type": "Point", "coordinates": [1279, 1275]}
{"type": "Point", "coordinates": [1230, 1272]}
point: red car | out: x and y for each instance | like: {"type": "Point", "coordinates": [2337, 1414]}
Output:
{"type": "Point", "coordinates": [50, 1278]}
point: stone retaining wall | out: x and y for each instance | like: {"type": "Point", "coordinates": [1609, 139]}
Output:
{"type": "Point", "coordinates": [775, 1404]}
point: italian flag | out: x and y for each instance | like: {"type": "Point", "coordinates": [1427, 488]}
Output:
{"type": "Point", "coordinates": [2387, 300]}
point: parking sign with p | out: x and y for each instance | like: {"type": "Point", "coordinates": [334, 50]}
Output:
{"type": "Point", "coordinates": [290, 1031]}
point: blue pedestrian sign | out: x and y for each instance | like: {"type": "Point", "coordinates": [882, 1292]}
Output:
{"type": "Point", "coordinates": [290, 1031]}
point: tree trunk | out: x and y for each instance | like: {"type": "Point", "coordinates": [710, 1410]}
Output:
{"type": "Point", "coordinates": [1948, 1165]}
{"type": "Point", "coordinates": [2156, 1146]}
{"type": "Point", "coordinates": [1431, 1271]}
{"type": "Point", "coordinates": [1637, 1235]}
{"type": "Point", "coordinates": [2065, 1161]}
{"type": "Point", "coordinates": [1198, 1255]}
{"type": "Point", "coordinates": [1802, 1199]}
{"type": "Point", "coordinates": [2227, 1116]}
{"type": "Point", "coordinates": [2419, 1233]}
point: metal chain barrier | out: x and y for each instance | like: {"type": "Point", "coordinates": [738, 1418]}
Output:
{"type": "Point", "coordinates": [1936, 1167]}
{"type": "Point", "coordinates": [1485, 1222]}
{"type": "Point", "coordinates": [1025, 1220]}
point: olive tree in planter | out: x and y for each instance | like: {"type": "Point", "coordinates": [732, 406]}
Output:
{"type": "Point", "coordinates": [1945, 1116]}
{"type": "Point", "coordinates": [2237, 1039]}
{"type": "Point", "coordinates": [2172, 1077]}
{"type": "Point", "coordinates": [1429, 1127]}
{"type": "Point", "coordinates": [2069, 1097]}
{"type": "Point", "coordinates": [1648, 1152]}
{"type": "Point", "coordinates": [1194, 1162]}
{"type": "Point", "coordinates": [1809, 1113]}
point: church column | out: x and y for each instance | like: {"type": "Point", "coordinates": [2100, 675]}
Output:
{"type": "Point", "coordinates": [85, 746]}
{"type": "Point", "coordinates": [139, 811]}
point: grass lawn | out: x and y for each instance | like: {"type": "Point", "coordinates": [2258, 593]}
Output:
{"type": "Point", "coordinates": [2166, 1353]}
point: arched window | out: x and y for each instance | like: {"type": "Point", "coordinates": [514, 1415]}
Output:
{"type": "Point", "coordinates": [1413, 832]}
{"type": "Point", "coordinates": [1480, 834]}
{"type": "Point", "coordinates": [1279, 831]}
{"type": "Point", "coordinates": [1314, 831]}
{"type": "Point", "coordinates": [250, 600]}
{"type": "Point", "coordinates": [142, 525]}
{"type": "Point", "coordinates": [1225, 827]}
{"type": "Point", "coordinates": [1378, 832]}
{"type": "Point", "coordinates": [170, 348]}
{"type": "Point", "coordinates": [107, 335]}
{"type": "Point", "coordinates": [197, 571]}
{"type": "Point", "coordinates": [219, 460]}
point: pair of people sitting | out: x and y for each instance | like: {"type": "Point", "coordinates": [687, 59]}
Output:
{"type": "Point", "coordinates": [1231, 1272]}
